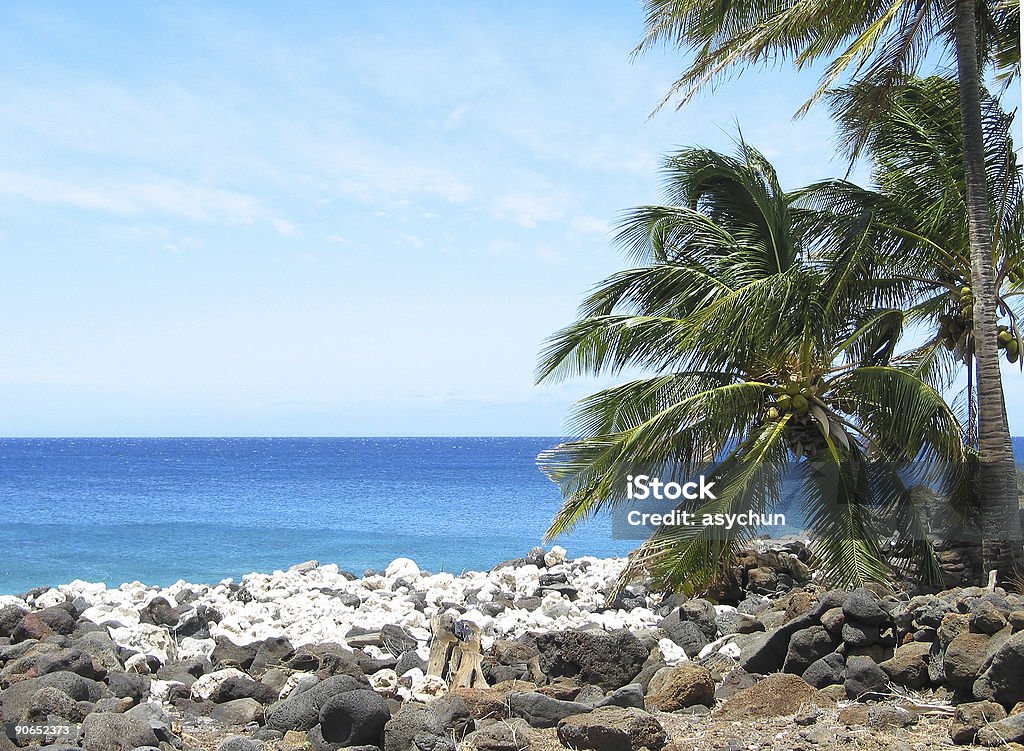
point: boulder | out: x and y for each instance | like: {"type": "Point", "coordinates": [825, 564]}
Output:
{"type": "Point", "coordinates": [735, 681]}
{"type": "Point", "coordinates": [415, 728]}
{"type": "Point", "coordinates": [159, 612]}
{"type": "Point", "coordinates": [513, 735]}
{"type": "Point", "coordinates": [686, 634]}
{"type": "Point", "coordinates": [454, 714]}
{"type": "Point", "coordinates": [227, 654]}
{"type": "Point", "coordinates": [271, 653]}
{"type": "Point", "coordinates": [238, 712]}
{"type": "Point", "coordinates": [681, 686]}
{"type": "Point", "coordinates": [888, 716]}
{"type": "Point", "coordinates": [102, 731]}
{"type": "Point", "coordinates": [10, 616]}
{"type": "Point", "coordinates": [49, 701]}
{"type": "Point", "coordinates": [606, 659]}
{"type": "Point", "coordinates": [71, 660]}
{"type": "Point", "coordinates": [237, 743]}
{"type": "Point", "coordinates": [766, 653]}
{"type": "Point", "coordinates": [242, 687]}
{"type": "Point", "coordinates": [969, 718]}
{"type": "Point", "coordinates": [777, 695]}
{"type": "Point", "coordinates": [909, 665]}
{"type": "Point", "coordinates": [702, 613]}
{"type": "Point", "coordinates": [735, 622]}
{"type": "Point", "coordinates": [612, 729]}
{"type": "Point", "coordinates": [863, 605]}
{"type": "Point", "coordinates": [129, 686]}
{"type": "Point", "coordinates": [864, 679]}
{"type": "Point", "coordinates": [31, 626]}
{"type": "Point", "coordinates": [1002, 681]}
{"type": "Point", "coordinates": [14, 701]}
{"type": "Point", "coordinates": [483, 703]}
{"type": "Point", "coordinates": [301, 711]}
{"type": "Point", "coordinates": [627, 696]}
{"type": "Point", "coordinates": [986, 618]}
{"type": "Point", "coordinates": [354, 718]}
{"type": "Point", "coordinates": [830, 670]}
{"type": "Point", "coordinates": [833, 620]}
{"type": "Point", "coordinates": [542, 711]}
{"type": "Point", "coordinates": [1001, 734]}
{"type": "Point", "coordinates": [805, 647]}
{"type": "Point", "coordinates": [967, 657]}
{"type": "Point", "coordinates": [857, 634]}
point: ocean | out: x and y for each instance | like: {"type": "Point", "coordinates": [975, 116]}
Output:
{"type": "Point", "coordinates": [204, 509]}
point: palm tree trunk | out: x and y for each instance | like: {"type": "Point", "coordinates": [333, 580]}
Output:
{"type": "Point", "coordinates": [1000, 512]}
{"type": "Point", "coordinates": [972, 403]}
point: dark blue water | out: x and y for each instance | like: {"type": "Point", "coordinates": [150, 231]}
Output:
{"type": "Point", "coordinates": [202, 509]}
{"type": "Point", "coordinates": [159, 510]}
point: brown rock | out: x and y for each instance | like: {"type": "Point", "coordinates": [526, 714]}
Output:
{"type": "Point", "coordinates": [909, 665]}
{"type": "Point", "coordinates": [833, 620]}
{"type": "Point", "coordinates": [1001, 734]}
{"type": "Point", "coordinates": [831, 694]}
{"type": "Point", "coordinates": [966, 658]}
{"type": "Point", "coordinates": [564, 689]}
{"type": "Point", "coordinates": [483, 703]}
{"type": "Point", "coordinates": [779, 694]}
{"type": "Point", "coordinates": [762, 579]}
{"type": "Point", "coordinates": [855, 714]}
{"type": "Point", "coordinates": [513, 735]}
{"type": "Point", "coordinates": [888, 716]}
{"type": "Point", "coordinates": [32, 626]}
{"type": "Point", "coordinates": [612, 729]}
{"type": "Point", "coordinates": [294, 740]}
{"type": "Point", "coordinates": [986, 619]}
{"type": "Point", "coordinates": [507, 687]}
{"type": "Point", "coordinates": [969, 718]}
{"type": "Point", "coordinates": [952, 626]}
{"type": "Point", "coordinates": [681, 686]}
{"type": "Point", "coordinates": [799, 602]}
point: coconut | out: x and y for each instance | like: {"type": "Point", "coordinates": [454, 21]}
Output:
{"type": "Point", "coordinates": [800, 403]}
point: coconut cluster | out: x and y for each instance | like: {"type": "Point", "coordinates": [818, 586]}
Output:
{"type": "Point", "coordinates": [1010, 342]}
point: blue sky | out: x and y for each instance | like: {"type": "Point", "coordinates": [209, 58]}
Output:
{"type": "Point", "coordinates": [329, 218]}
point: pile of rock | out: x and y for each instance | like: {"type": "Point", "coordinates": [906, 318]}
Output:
{"type": "Point", "coordinates": [317, 658]}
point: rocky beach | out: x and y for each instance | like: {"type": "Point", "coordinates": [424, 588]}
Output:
{"type": "Point", "coordinates": [318, 658]}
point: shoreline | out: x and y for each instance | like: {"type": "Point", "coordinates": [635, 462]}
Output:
{"type": "Point", "coordinates": [759, 541]}
{"type": "Point", "coordinates": [291, 660]}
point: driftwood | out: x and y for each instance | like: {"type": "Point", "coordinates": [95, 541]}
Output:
{"type": "Point", "coordinates": [455, 654]}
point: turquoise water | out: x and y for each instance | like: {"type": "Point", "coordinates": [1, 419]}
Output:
{"type": "Point", "coordinates": [158, 510]}
{"type": "Point", "coordinates": [199, 509]}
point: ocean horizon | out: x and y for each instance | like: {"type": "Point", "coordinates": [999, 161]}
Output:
{"type": "Point", "coordinates": [158, 510]}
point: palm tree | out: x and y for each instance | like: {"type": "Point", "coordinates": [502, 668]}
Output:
{"type": "Point", "coordinates": [882, 44]}
{"type": "Point", "coordinates": [920, 212]}
{"type": "Point", "coordinates": [753, 320]}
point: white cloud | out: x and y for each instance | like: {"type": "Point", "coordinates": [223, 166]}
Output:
{"type": "Point", "coordinates": [527, 209]}
{"type": "Point", "coordinates": [172, 197]}
{"type": "Point", "coordinates": [283, 227]}
{"type": "Point", "coordinates": [590, 225]}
